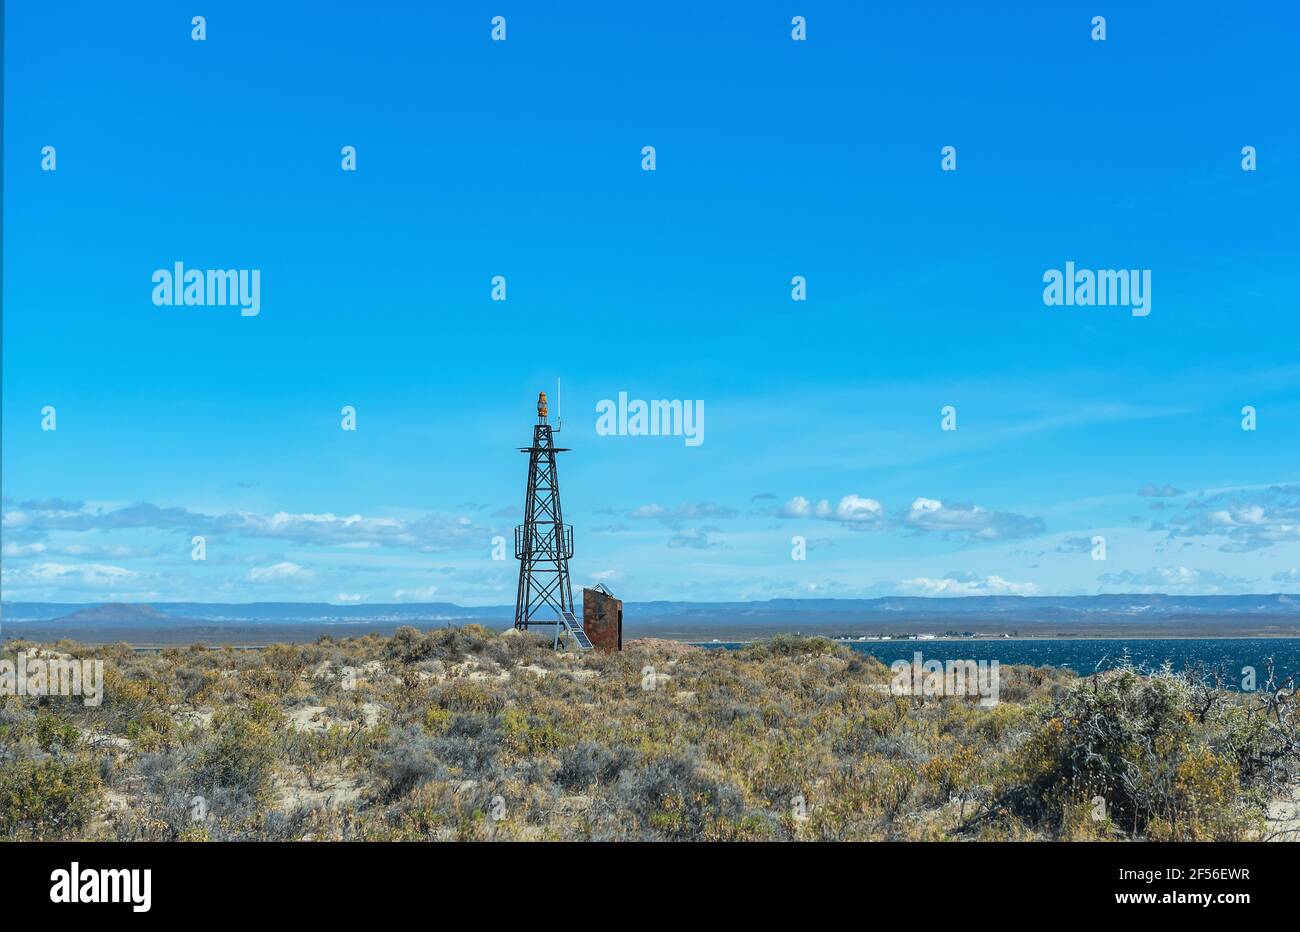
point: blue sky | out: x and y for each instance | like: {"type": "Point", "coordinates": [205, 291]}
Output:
{"type": "Point", "coordinates": [775, 158]}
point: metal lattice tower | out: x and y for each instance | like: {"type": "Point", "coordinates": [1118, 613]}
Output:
{"type": "Point", "coordinates": [544, 543]}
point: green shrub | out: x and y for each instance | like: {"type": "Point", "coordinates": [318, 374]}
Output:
{"type": "Point", "coordinates": [47, 798]}
{"type": "Point", "coordinates": [792, 645]}
{"type": "Point", "coordinates": [673, 799]}
{"type": "Point", "coordinates": [240, 756]}
{"type": "Point", "coordinates": [1161, 763]}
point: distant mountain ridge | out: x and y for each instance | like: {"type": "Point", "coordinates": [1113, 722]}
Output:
{"type": "Point", "coordinates": [110, 614]}
{"type": "Point", "coordinates": [1122, 607]}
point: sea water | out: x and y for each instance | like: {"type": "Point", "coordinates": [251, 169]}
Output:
{"type": "Point", "coordinates": [1228, 657]}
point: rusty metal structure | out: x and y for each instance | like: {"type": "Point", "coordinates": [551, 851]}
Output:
{"type": "Point", "coordinates": [602, 618]}
{"type": "Point", "coordinates": [544, 544]}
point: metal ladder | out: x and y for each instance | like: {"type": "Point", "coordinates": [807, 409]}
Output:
{"type": "Point", "coordinates": [573, 626]}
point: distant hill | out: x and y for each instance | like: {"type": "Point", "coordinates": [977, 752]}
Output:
{"type": "Point", "coordinates": [993, 605]}
{"type": "Point", "coordinates": [1042, 608]}
{"type": "Point", "coordinates": [123, 614]}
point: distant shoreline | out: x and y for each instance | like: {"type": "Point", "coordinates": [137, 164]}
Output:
{"type": "Point", "coordinates": [970, 619]}
{"type": "Point", "coordinates": [1029, 637]}
{"type": "Point", "coordinates": [257, 637]}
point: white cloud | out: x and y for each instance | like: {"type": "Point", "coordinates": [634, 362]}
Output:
{"type": "Point", "coordinates": [797, 507]}
{"type": "Point", "coordinates": [969, 584]}
{"type": "Point", "coordinates": [1247, 520]}
{"type": "Point", "coordinates": [684, 512]}
{"type": "Point", "coordinates": [23, 550]}
{"type": "Point", "coordinates": [1166, 578]}
{"type": "Point", "coordinates": [432, 532]}
{"type": "Point", "coordinates": [695, 538]}
{"type": "Point", "coordinates": [415, 595]}
{"type": "Point", "coordinates": [648, 511]}
{"type": "Point", "coordinates": [69, 574]}
{"type": "Point", "coordinates": [969, 522]}
{"type": "Point", "coordinates": [855, 509]}
{"type": "Point", "coordinates": [852, 509]}
{"type": "Point", "coordinates": [926, 515]}
{"type": "Point", "coordinates": [279, 572]}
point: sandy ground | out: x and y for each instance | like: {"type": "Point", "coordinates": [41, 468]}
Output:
{"type": "Point", "coordinates": [1284, 818]}
{"type": "Point", "coordinates": [661, 645]}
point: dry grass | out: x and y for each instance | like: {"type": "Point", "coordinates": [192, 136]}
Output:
{"type": "Point", "coordinates": [464, 734]}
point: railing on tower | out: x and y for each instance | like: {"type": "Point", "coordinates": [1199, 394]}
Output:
{"type": "Point", "coordinates": [543, 541]}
